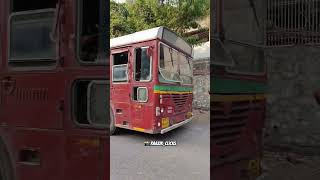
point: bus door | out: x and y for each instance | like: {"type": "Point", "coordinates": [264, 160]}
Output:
{"type": "Point", "coordinates": [120, 87]}
{"type": "Point", "coordinates": [32, 91]}
{"type": "Point", "coordinates": [141, 88]}
{"type": "Point", "coordinates": [86, 138]}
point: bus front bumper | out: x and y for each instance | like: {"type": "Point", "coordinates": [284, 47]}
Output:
{"type": "Point", "coordinates": [175, 126]}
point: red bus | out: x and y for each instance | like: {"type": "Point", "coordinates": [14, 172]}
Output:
{"type": "Point", "coordinates": [53, 84]}
{"type": "Point", "coordinates": [151, 86]}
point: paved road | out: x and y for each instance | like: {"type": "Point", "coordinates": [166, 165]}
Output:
{"type": "Point", "coordinates": [189, 160]}
{"type": "Point", "coordinates": [289, 166]}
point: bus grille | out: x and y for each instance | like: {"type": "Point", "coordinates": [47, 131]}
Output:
{"type": "Point", "coordinates": [229, 119]}
{"type": "Point", "coordinates": [179, 100]}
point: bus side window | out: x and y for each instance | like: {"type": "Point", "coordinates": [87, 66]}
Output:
{"type": "Point", "coordinates": [140, 94]}
{"type": "Point", "coordinates": [142, 65]}
{"type": "Point", "coordinates": [90, 101]}
{"type": "Point", "coordinates": [120, 67]}
{"type": "Point", "coordinates": [30, 42]}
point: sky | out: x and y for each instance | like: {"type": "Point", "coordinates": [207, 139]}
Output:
{"type": "Point", "coordinates": [202, 51]}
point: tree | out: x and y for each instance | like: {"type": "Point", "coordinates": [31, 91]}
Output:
{"type": "Point", "coordinates": [178, 15]}
{"type": "Point", "coordinates": [118, 20]}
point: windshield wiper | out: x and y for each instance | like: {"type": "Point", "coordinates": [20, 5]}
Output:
{"type": "Point", "coordinates": [57, 19]}
{"type": "Point", "coordinates": [253, 7]}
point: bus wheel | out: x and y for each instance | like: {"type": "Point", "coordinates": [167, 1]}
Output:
{"type": "Point", "coordinates": [113, 128]}
{"type": "Point", "coordinates": [6, 171]}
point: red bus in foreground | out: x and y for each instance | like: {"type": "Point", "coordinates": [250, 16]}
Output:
{"type": "Point", "coordinates": [151, 87]}
{"type": "Point", "coordinates": [53, 84]}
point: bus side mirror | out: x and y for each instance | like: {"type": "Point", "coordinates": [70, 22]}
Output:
{"type": "Point", "coordinates": [149, 51]}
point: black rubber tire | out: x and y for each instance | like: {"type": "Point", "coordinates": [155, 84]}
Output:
{"type": "Point", "coordinates": [113, 128]}
{"type": "Point", "coordinates": [6, 170]}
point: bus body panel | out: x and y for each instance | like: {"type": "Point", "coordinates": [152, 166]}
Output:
{"type": "Point", "coordinates": [37, 122]}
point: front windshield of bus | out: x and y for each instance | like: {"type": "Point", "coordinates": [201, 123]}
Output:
{"type": "Point", "coordinates": [174, 66]}
{"type": "Point", "coordinates": [247, 59]}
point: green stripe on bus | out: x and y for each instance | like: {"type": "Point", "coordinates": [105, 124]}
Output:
{"type": "Point", "coordinates": [220, 85]}
{"type": "Point", "coordinates": [172, 88]}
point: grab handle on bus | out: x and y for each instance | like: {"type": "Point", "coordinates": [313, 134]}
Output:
{"type": "Point", "coordinates": [8, 84]}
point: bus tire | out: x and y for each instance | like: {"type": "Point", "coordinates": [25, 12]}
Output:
{"type": "Point", "coordinates": [113, 128]}
{"type": "Point", "coordinates": [6, 170]}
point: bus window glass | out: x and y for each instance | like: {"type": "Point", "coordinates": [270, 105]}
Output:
{"type": "Point", "coordinates": [248, 60]}
{"type": "Point", "coordinates": [90, 102]}
{"type": "Point", "coordinates": [185, 69]}
{"type": "Point", "coordinates": [142, 65]}
{"type": "Point", "coordinates": [120, 67]}
{"type": "Point", "coordinates": [142, 94]}
{"type": "Point", "coordinates": [168, 64]}
{"type": "Point", "coordinates": [221, 55]}
{"type": "Point", "coordinates": [92, 37]}
{"type": "Point", "coordinates": [98, 101]}
{"type": "Point", "coordinates": [30, 37]}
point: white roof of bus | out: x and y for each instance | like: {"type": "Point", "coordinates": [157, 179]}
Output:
{"type": "Point", "coordinates": [137, 37]}
{"type": "Point", "coordinates": [161, 33]}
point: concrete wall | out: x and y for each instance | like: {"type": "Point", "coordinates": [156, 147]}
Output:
{"type": "Point", "coordinates": [201, 82]}
{"type": "Point", "coordinates": [293, 116]}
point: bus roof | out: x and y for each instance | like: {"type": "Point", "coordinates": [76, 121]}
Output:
{"type": "Point", "coordinates": [161, 33]}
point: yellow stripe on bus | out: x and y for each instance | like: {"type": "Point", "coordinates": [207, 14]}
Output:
{"type": "Point", "coordinates": [171, 92]}
{"type": "Point", "coordinates": [138, 129]}
{"type": "Point", "coordinates": [225, 98]}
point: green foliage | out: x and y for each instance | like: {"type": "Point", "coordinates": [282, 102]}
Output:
{"type": "Point", "coordinates": [178, 15]}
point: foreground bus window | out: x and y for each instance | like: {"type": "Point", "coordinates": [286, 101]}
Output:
{"type": "Point", "coordinates": [92, 32]}
{"type": "Point", "coordinates": [30, 40]}
{"type": "Point", "coordinates": [151, 89]}
{"type": "Point", "coordinates": [90, 102]}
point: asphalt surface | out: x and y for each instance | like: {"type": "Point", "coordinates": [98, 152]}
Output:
{"type": "Point", "coordinates": [290, 166]}
{"type": "Point", "coordinates": [188, 160]}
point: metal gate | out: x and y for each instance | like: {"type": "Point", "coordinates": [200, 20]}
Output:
{"type": "Point", "coordinates": [293, 22]}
